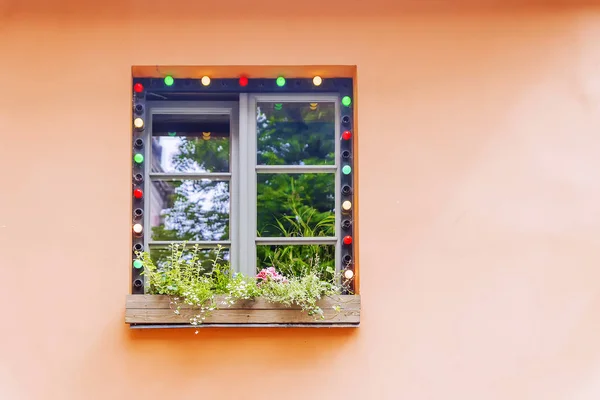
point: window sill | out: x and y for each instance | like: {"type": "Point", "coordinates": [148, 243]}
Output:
{"type": "Point", "coordinates": [153, 311]}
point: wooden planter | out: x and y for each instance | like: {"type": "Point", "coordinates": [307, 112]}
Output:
{"type": "Point", "coordinates": [150, 311]}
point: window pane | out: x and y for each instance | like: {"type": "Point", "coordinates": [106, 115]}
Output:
{"type": "Point", "coordinates": [295, 205]}
{"type": "Point", "coordinates": [297, 260]}
{"type": "Point", "coordinates": [189, 210]}
{"type": "Point", "coordinates": [190, 143]}
{"type": "Point", "coordinates": [295, 133]}
{"type": "Point", "coordinates": [164, 256]}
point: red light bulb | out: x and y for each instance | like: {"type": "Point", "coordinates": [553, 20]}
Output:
{"type": "Point", "coordinates": [347, 240]}
{"type": "Point", "coordinates": [138, 88]}
{"type": "Point", "coordinates": [243, 81]}
{"type": "Point", "coordinates": [138, 194]}
{"type": "Point", "coordinates": [346, 135]}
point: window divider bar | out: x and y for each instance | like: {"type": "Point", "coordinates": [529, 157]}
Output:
{"type": "Point", "coordinates": [296, 169]}
{"type": "Point", "coordinates": [296, 240]}
{"type": "Point", "coordinates": [215, 176]}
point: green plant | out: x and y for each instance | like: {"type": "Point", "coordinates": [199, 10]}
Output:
{"type": "Point", "coordinates": [300, 221]}
{"type": "Point", "coordinates": [186, 279]}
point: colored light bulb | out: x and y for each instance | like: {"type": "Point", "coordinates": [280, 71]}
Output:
{"type": "Point", "coordinates": [172, 133]}
{"type": "Point", "coordinates": [278, 106]}
{"type": "Point", "coordinates": [169, 81]}
{"type": "Point", "coordinates": [138, 193]}
{"type": "Point", "coordinates": [347, 240]}
{"type": "Point", "coordinates": [346, 101]}
{"type": "Point", "coordinates": [138, 158]}
{"type": "Point", "coordinates": [243, 81]}
{"type": "Point", "coordinates": [205, 80]}
{"type": "Point", "coordinates": [138, 123]}
{"type": "Point", "coordinates": [138, 228]}
{"type": "Point", "coordinates": [347, 205]}
{"type": "Point", "coordinates": [313, 106]}
{"type": "Point", "coordinates": [138, 88]}
{"type": "Point", "coordinates": [346, 170]}
{"type": "Point", "coordinates": [346, 135]}
{"type": "Point", "coordinates": [280, 81]}
{"type": "Point", "coordinates": [137, 264]}
{"type": "Point", "coordinates": [317, 80]}
{"type": "Point", "coordinates": [348, 274]}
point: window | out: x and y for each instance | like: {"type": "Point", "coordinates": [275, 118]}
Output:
{"type": "Point", "coordinates": [261, 172]}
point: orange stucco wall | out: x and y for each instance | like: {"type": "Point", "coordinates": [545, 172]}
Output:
{"type": "Point", "coordinates": [479, 204]}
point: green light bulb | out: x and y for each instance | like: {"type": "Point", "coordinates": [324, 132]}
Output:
{"type": "Point", "coordinates": [278, 106]}
{"type": "Point", "coordinates": [169, 80]}
{"type": "Point", "coordinates": [138, 158]}
{"type": "Point", "coordinates": [137, 264]}
{"type": "Point", "coordinates": [172, 133]}
{"type": "Point", "coordinates": [280, 81]}
{"type": "Point", "coordinates": [346, 101]}
{"type": "Point", "coordinates": [346, 170]}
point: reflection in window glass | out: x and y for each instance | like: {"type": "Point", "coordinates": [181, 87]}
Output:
{"type": "Point", "coordinates": [297, 260]}
{"type": "Point", "coordinates": [295, 205]}
{"type": "Point", "coordinates": [204, 257]}
{"type": "Point", "coordinates": [295, 133]}
{"type": "Point", "coordinates": [190, 143]}
{"type": "Point", "coordinates": [189, 210]}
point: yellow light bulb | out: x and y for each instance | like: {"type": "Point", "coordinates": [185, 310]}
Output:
{"type": "Point", "coordinates": [205, 80]}
{"type": "Point", "coordinates": [138, 228]}
{"type": "Point", "coordinates": [317, 80]}
{"type": "Point", "coordinates": [348, 274]}
{"type": "Point", "coordinates": [313, 106]}
{"type": "Point", "coordinates": [346, 205]}
{"type": "Point", "coordinates": [138, 123]}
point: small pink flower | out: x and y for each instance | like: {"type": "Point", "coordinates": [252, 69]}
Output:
{"type": "Point", "coordinates": [270, 273]}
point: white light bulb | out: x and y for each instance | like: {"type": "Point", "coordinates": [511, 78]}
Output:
{"type": "Point", "coordinates": [205, 80]}
{"type": "Point", "coordinates": [317, 80]}
{"type": "Point", "coordinates": [346, 205]}
{"type": "Point", "coordinates": [348, 274]}
{"type": "Point", "coordinates": [138, 228]}
{"type": "Point", "coordinates": [138, 123]}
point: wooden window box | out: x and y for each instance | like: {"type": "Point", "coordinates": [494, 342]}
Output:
{"type": "Point", "coordinates": [153, 311]}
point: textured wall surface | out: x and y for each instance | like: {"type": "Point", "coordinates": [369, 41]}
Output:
{"type": "Point", "coordinates": [479, 203]}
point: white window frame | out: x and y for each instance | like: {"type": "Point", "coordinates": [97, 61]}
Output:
{"type": "Point", "coordinates": [243, 174]}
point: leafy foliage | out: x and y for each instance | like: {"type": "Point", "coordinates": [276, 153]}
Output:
{"type": "Point", "coordinates": [184, 277]}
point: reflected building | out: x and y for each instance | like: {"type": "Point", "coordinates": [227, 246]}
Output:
{"type": "Point", "coordinates": [160, 191]}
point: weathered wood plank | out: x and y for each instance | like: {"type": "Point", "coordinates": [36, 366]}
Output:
{"type": "Point", "coordinates": [136, 301]}
{"type": "Point", "coordinates": [237, 316]}
{"type": "Point", "coordinates": [213, 325]}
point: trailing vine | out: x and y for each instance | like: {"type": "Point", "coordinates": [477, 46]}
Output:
{"type": "Point", "coordinates": [186, 278]}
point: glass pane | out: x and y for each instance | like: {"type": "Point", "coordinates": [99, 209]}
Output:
{"type": "Point", "coordinates": [189, 210]}
{"type": "Point", "coordinates": [295, 133]}
{"type": "Point", "coordinates": [190, 143]}
{"type": "Point", "coordinates": [297, 260]}
{"type": "Point", "coordinates": [205, 257]}
{"type": "Point", "coordinates": [295, 205]}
